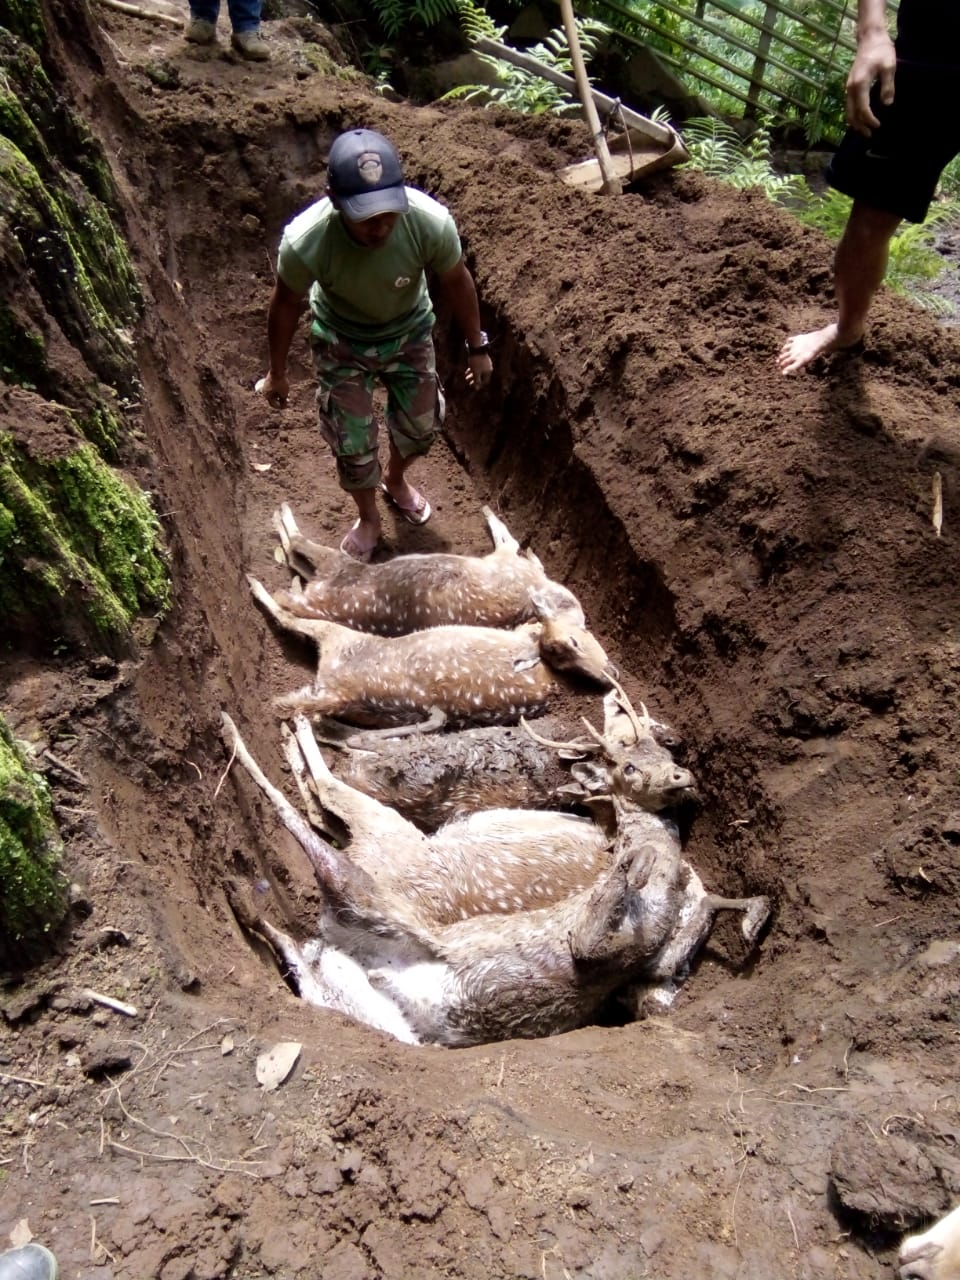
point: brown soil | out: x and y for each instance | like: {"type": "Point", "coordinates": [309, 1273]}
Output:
{"type": "Point", "coordinates": [758, 555]}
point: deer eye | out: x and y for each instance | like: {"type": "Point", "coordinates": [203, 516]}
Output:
{"type": "Point", "coordinates": [629, 770]}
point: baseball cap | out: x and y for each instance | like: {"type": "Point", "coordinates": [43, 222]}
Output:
{"type": "Point", "coordinates": [364, 173]}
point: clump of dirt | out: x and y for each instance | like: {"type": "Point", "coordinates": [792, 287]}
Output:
{"type": "Point", "coordinates": [758, 556]}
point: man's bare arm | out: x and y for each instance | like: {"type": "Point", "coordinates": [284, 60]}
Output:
{"type": "Point", "coordinates": [876, 59]}
{"type": "Point", "coordinates": [461, 293]}
{"type": "Point", "coordinates": [283, 317]}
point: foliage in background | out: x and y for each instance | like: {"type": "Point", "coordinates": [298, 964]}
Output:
{"type": "Point", "coordinates": [718, 54]}
{"type": "Point", "coordinates": [717, 150]}
{"type": "Point", "coordinates": [520, 90]}
{"type": "Point", "coordinates": [396, 16]}
{"type": "Point", "coordinates": [33, 901]}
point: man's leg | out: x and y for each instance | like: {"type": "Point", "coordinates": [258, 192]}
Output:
{"type": "Point", "coordinates": [859, 267]}
{"type": "Point", "coordinates": [348, 425]}
{"type": "Point", "coordinates": [412, 417]}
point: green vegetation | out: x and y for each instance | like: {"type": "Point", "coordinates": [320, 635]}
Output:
{"type": "Point", "coordinates": [75, 538]}
{"type": "Point", "coordinates": [34, 898]}
{"type": "Point", "coordinates": [745, 58]}
{"type": "Point", "coordinates": [397, 15]}
{"type": "Point", "coordinates": [517, 89]}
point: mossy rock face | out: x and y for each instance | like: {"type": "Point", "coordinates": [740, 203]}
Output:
{"type": "Point", "coordinates": [24, 19]}
{"type": "Point", "coordinates": [34, 898]}
{"type": "Point", "coordinates": [80, 549]}
{"type": "Point", "coordinates": [62, 253]}
{"type": "Point", "coordinates": [81, 555]}
{"type": "Point", "coordinates": [65, 242]}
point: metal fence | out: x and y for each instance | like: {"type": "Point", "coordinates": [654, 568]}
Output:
{"type": "Point", "coordinates": [756, 57]}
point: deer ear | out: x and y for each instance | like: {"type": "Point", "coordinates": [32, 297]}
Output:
{"type": "Point", "coordinates": [592, 777]}
{"type": "Point", "coordinates": [534, 560]}
{"type": "Point", "coordinates": [544, 608]}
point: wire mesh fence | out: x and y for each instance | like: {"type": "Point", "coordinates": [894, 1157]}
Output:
{"type": "Point", "coordinates": [781, 60]}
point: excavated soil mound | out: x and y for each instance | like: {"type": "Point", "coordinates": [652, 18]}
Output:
{"type": "Point", "coordinates": [756, 553]}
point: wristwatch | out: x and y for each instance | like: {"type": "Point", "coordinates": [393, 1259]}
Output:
{"type": "Point", "coordinates": [483, 349]}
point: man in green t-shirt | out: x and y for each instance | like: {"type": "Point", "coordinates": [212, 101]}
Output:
{"type": "Point", "coordinates": [361, 254]}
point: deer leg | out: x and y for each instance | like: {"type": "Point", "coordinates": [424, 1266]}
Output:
{"type": "Point", "coordinates": [298, 768]}
{"type": "Point", "coordinates": [367, 818]}
{"type": "Point", "coordinates": [295, 546]}
{"type": "Point", "coordinates": [369, 738]}
{"type": "Point", "coordinates": [695, 920]}
{"type": "Point", "coordinates": [756, 913]}
{"type": "Point", "coordinates": [311, 627]}
{"type": "Point", "coordinates": [286, 528]}
{"type": "Point", "coordinates": [327, 864]}
{"type": "Point", "coordinates": [327, 977]}
{"type": "Point", "coordinates": [499, 533]}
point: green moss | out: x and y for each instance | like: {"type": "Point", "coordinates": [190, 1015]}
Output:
{"type": "Point", "coordinates": [23, 357]}
{"type": "Point", "coordinates": [79, 263]}
{"type": "Point", "coordinates": [38, 119]}
{"type": "Point", "coordinates": [34, 899]}
{"type": "Point", "coordinates": [103, 429]}
{"type": "Point", "coordinates": [75, 537]}
{"type": "Point", "coordinates": [16, 125]}
{"type": "Point", "coordinates": [24, 18]}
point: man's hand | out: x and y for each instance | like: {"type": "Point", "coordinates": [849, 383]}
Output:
{"type": "Point", "coordinates": [274, 390]}
{"type": "Point", "coordinates": [876, 60]}
{"type": "Point", "coordinates": [479, 369]}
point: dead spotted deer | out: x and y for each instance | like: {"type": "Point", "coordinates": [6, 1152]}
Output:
{"type": "Point", "coordinates": [413, 592]}
{"type": "Point", "coordinates": [435, 952]}
{"type": "Point", "coordinates": [433, 780]}
{"type": "Point", "coordinates": [934, 1254]}
{"type": "Point", "coordinates": [464, 674]}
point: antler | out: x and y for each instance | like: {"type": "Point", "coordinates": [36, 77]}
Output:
{"type": "Point", "coordinates": [642, 727]}
{"type": "Point", "coordinates": [573, 745]}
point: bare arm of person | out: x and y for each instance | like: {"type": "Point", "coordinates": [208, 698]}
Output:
{"type": "Point", "coordinates": [461, 294]}
{"type": "Point", "coordinates": [876, 59]}
{"type": "Point", "coordinates": [283, 317]}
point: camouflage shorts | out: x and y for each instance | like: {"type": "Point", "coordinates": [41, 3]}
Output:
{"type": "Point", "coordinates": [347, 373]}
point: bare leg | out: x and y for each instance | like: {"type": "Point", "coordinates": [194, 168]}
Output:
{"type": "Point", "coordinates": [859, 267]}
{"type": "Point", "coordinates": [394, 477]}
{"type": "Point", "coordinates": [365, 534]}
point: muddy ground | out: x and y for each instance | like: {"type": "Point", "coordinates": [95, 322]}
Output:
{"type": "Point", "coordinates": [758, 555]}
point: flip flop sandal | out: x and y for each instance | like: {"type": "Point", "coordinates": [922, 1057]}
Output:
{"type": "Point", "coordinates": [356, 553]}
{"type": "Point", "coordinates": [418, 516]}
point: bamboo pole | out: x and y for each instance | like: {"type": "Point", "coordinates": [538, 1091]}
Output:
{"type": "Point", "coordinates": [611, 183]}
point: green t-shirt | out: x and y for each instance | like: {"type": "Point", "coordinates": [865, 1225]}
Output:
{"type": "Point", "coordinates": [365, 293]}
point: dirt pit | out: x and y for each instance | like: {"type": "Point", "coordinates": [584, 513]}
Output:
{"type": "Point", "coordinates": [758, 556]}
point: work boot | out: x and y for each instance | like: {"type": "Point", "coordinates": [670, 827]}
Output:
{"type": "Point", "coordinates": [31, 1262]}
{"type": "Point", "coordinates": [200, 31]}
{"type": "Point", "coordinates": [252, 46]}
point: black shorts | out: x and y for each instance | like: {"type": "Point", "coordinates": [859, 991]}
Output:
{"type": "Point", "coordinates": [898, 167]}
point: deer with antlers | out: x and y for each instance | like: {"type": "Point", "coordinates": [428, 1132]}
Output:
{"type": "Point", "coordinates": [430, 781]}
{"type": "Point", "coordinates": [524, 940]}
